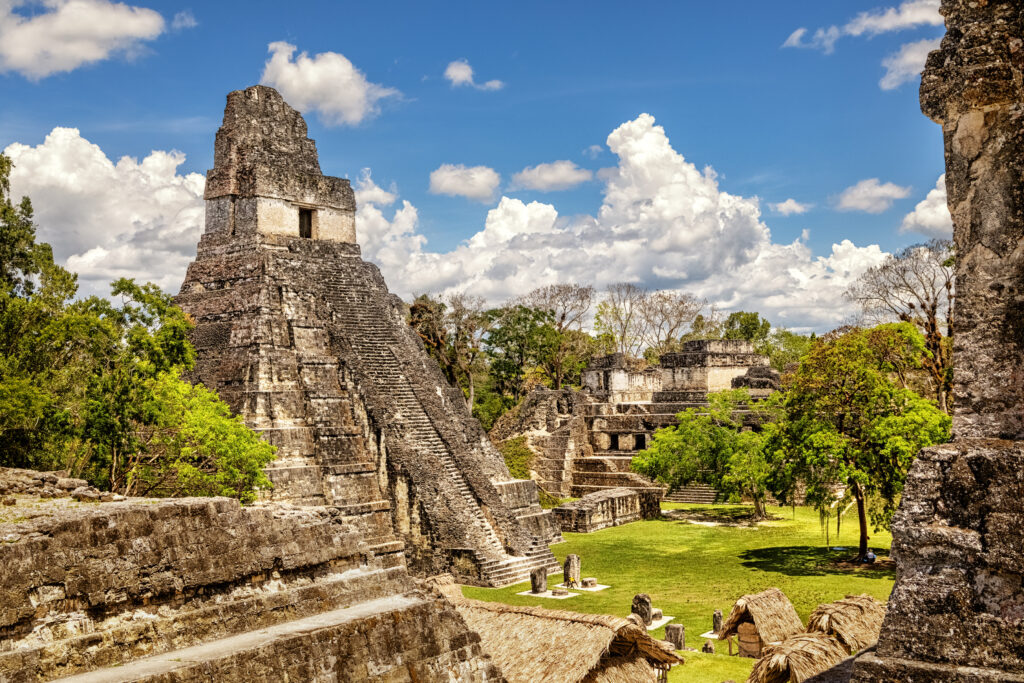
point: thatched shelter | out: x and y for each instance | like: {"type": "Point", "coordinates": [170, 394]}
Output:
{"type": "Point", "coordinates": [855, 621]}
{"type": "Point", "coordinates": [761, 619]}
{"type": "Point", "coordinates": [797, 658]}
{"type": "Point", "coordinates": [535, 644]}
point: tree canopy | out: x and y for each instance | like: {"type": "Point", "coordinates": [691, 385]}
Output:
{"type": "Point", "coordinates": [95, 388]}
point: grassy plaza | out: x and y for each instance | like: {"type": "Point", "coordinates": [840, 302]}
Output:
{"type": "Point", "coordinates": [691, 567]}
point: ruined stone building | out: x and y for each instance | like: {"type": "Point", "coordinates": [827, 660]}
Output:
{"type": "Point", "coordinates": [584, 441]}
{"type": "Point", "coordinates": [301, 337]}
{"type": "Point", "coordinates": [957, 611]}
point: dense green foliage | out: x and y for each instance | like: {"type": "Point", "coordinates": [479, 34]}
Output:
{"type": "Point", "coordinates": [844, 430]}
{"type": "Point", "coordinates": [518, 456]}
{"type": "Point", "coordinates": [691, 569]}
{"type": "Point", "coordinates": [711, 447]}
{"type": "Point", "coordinates": [94, 388]}
{"type": "Point", "coordinates": [850, 429]}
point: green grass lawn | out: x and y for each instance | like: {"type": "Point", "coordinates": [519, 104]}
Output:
{"type": "Point", "coordinates": [690, 570]}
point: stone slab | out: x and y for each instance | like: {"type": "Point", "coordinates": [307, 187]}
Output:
{"type": "Point", "coordinates": [598, 587]}
{"type": "Point", "coordinates": [659, 623]}
{"type": "Point", "coordinates": [547, 594]}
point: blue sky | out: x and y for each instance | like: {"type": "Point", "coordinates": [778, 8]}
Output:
{"type": "Point", "coordinates": [550, 83]}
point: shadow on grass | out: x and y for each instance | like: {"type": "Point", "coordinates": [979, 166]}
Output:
{"type": "Point", "coordinates": [727, 515]}
{"type": "Point", "coordinates": [805, 560]}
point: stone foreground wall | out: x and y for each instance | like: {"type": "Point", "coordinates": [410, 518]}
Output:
{"type": "Point", "coordinates": [957, 610]}
{"type": "Point", "coordinates": [86, 586]}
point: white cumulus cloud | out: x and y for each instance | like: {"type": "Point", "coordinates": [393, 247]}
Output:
{"type": "Point", "coordinates": [907, 63]}
{"type": "Point", "coordinates": [106, 220]}
{"type": "Point", "coordinates": [67, 34]}
{"type": "Point", "coordinates": [790, 207]}
{"type": "Point", "coordinates": [910, 14]}
{"type": "Point", "coordinates": [662, 223]}
{"type": "Point", "coordinates": [871, 196]}
{"type": "Point", "coordinates": [460, 73]}
{"type": "Point", "coordinates": [327, 83]}
{"type": "Point", "coordinates": [900, 67]}
{"type": "Point", "coordinates": [557, 175]}
{"type": "Point", "coordinates": [931, 215]}
{"type": "Point", "coordinates": [457, 180]}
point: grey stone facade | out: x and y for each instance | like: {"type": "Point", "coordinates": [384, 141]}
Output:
{"type": "Point", "coordinates": [301, 337]}
{"type": "Point", "coordinates": [584, 441]}
{"type": "Point", "coordinates": [957, 610]}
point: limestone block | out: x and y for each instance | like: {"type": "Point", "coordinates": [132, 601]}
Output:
{"type": "Point", "coordinates": [676, 634]}
{"type": "Point", "coordinates": [642, 608]}
{"type": "Point", "coordinates": [539, 580]}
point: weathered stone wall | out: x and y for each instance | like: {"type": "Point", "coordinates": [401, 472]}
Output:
{"type": "Point", "coordinates": [604, 509]}
{"type": "Point", "coordinates": [705, 366]}
{"type": "Point", "coordinates": [957, 610]}
{"type": "Point", "coordinates": [86, 586]}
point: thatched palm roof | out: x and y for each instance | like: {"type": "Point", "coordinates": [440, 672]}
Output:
{"type": "Point", "coordinates": [797, 658]}
{"type": "Point", "coordinates": [770, 611]}
{"type": "Point", "coordinates": [536, 644]}
{"type": "Point", "coordinates": [855, 621]}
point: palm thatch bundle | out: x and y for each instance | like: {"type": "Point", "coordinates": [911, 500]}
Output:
{"type": "Point", "coordinates": [770, 611]}
{"type": "Point", "coordinates": [797, 659]}
{"type": "Point", "coordinates": [536, 644]}
{"type": "Point", "coordinates": [855, 621]}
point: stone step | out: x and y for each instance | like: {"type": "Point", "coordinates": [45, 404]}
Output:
{"type": "Point", "coordinates": [195, 663]}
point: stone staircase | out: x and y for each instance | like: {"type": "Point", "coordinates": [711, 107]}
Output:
{"type": "Point", "coordinates": [697, 494]}
{"type": "Point", "coordinates": [372, 338]}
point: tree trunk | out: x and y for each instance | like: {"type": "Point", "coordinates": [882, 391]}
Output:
{"type": "Point", "coordinates": [862, 518]}
{"type": "Point", "coordinates": [759, 512]}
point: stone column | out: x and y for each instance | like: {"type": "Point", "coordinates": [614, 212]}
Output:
{"type": "Point", "coordinates": [571, 569]}
{"type": "Point", "coordinates": [539, 580]}
{"type": "Point", "coordinates": [958, 537]}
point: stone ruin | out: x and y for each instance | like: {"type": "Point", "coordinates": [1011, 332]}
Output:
{"type": "Point", "coordinates": [301, 337]}
{"type": "Point", "coordinates": [200, 589]}
{"type": "Point", "coordinates": [584, 441]}
{"type": "Point", "coordinates": [608, 508]}
{"type": "Point", "coordinates": [957, 610]}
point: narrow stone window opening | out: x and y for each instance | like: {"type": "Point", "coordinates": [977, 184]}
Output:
{"type": "Point", "coordinates": [640, 441]}
{"type": "Point", "coordinates": [615, 442]}
{"type": "Point", "coordinates": [306, 223]}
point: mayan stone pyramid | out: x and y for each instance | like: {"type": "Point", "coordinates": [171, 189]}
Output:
{"type": "Point", "coordinates": [301, 337]}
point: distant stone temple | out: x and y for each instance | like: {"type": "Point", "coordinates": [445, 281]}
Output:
{"type": "Point", "coordinates": [301, 337]}
{"type": "Point", "coordinates": [957, 611]}
{"type": "Point", "coordinates": [584, 441]}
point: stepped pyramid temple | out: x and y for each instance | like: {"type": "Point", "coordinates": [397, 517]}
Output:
{"type": "Point", "coordinates": [301, 337]}
{"type": "Point", "coordinates": [957, 611]}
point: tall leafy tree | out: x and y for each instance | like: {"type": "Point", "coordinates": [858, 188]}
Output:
{"type": "Point", "coordinates": [711, 446]}
{"type": "Point", "coordinates": [82, 381]}
{"type": "Point", "coordinates": [849, 428]}
{"type": "Point", "coordinates": [519, 339]}
{"type": "Point", "coordinates": [917, 286]}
